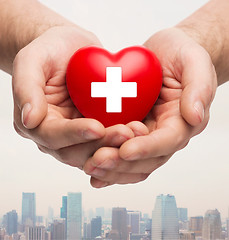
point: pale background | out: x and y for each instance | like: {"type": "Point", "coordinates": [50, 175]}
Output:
{"type": "Point", "coordinates": [197, 176]}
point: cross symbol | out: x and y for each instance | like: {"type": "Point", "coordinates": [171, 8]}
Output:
{"type": "Point", "coordinates": [113, 89]}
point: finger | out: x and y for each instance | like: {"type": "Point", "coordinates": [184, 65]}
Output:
{"type": "Point", "coordinates": [199, 85]}
{"type": "Point", "coordinates": [118, 178]}
{"type": "Point", "coordinates": [171, 137]}
{"type": "Point", "coordinates": [28, 89]}
{"type": "Point", "coordinates": [76, 155]}
{"type": "Point", "coordinates": [61, 133]}
{"type": "Point", "coordinates": [108, 159]}
{"type": "Point", "coordinates": [138, 128]}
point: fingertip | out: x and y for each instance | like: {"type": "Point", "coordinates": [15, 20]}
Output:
{"type": "Point", "coordinates": [120, 134]}
{"type": "Point", "coordinates": [95, 130]}
{"type": "Point", "coordinates": [32, 116]}
{"type": "Point", "coordinates": [96, 183]}
{"type": "Point", "coordinates": [193, 113]}
{"type": "Point", "coordinates": [129, 150]}
{"type": "Point", "coordinates": [138, 128]}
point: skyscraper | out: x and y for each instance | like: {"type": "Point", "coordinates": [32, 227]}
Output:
{"type": "Point", "coordinates": [28, 209]}
{"type": "Point", "coordinates": [11, 222]}
{"type": "Point", "coordinates": [195, 225]}
{"type": "Point", "coordinates": [212, 225]}
{"type": "Point", "coordinates": [74, 216]}
{"type": "Point", "coordinates": [57, 230]}
{"type": "Point", "coordinates": [119, 224]}
{"type": "Point", "coordinates": [63, 212]}
{"type": "Point", "coordinates": [182, 214]}
{"type": "Point", "coordinates": [165, 225]}
{"type": "Point", "coordinates": [134, 221]}
{"type": "Point", "coordinates": [96, 227]}
{"type": "Point", "coordinates": [227, 225]}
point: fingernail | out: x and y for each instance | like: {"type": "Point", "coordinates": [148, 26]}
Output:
{"type": "Point", "coordinates": [198, 106]}
{"type": "Point", "coordinates": [90, 135]}
{"type": "Point", "coordinates": [25, 114]}
{"type": "Point", "coordinates": [98, 172]}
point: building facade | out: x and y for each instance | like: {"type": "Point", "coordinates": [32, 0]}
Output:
{"type": "Point", "coordinates": [74, 216]}
{"type": "Point", "coordinates": [212, 227]}
{"type": "Point", "coordinates": [29, 209]}
{"type": "Point", "coordinates": [133, 222]}
{"type": "Point", "coordinates": [119, 224]}
{"type": "Point", "coordinates": [196, 225]}
{"type": "Point", "coordinates": [35, 233]}
{"type": "Point", "coordinates": [96, 227]}
{"type": "Point", "coordinates": [165, 224]}
{"type": "Point", "coordinates": [183, 214]}
{"type": "Point", "coordinates": [11, 222]}
{"type": "Point", "coordinates": [57, 230]}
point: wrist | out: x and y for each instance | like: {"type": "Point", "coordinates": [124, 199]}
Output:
{"type": "Point", "coordinates": [209, 27]}
{"type": "Point", "coordinates": [20, 25]}
{"type": "Point", "coordinates": [210, 37]}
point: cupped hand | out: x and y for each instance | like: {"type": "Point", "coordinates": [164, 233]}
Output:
{"type": "Point", "coordinates": [43, 111]}
{"type": "Point", "coordinates": [181, 112]}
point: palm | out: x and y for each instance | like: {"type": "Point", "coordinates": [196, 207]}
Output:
{"type": "Point", "coordinates": [167, 111]}
{"type": "Point", "coordinates": [57, 56]}
{"type": "Point", "coordinates": [52, 106]}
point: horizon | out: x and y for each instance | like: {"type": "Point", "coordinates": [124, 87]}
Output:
{"type": "Point", "coordinates": [197, 175]}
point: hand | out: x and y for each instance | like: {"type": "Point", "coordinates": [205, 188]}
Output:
{"type": "Point", "coordinates": [181, 112]}
{"type": "Point", "coordinates": [43, 110]}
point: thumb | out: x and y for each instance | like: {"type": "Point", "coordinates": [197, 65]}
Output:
{"type": "Point", "coordinates": [28, 91]}
{"type": "Point", "coordinates": [199, 85]}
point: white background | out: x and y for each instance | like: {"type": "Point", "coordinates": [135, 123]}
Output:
{"type": "Point", "coordinates": [197, 176]}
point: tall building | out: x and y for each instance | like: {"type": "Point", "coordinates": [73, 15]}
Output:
{"type": "Point", "coordinates": [35, 233]}
{"type": "Point", "coordinates": [63, 212]}
{"type": "Point", "coordinates": [182, 214]}
{"type": "Point", "coordinates": [165, 225]}
{"type": "Point", "coordinates": [134, 221]}
{"type": "Point", "coordinates": [212, 225]}
{"type": "Point", "coordinates": [74, 216]}
{"type": "Point", "coordinates": [96, 227]}
{"type": "Point", "coordinates": [11, 222]}
{"type": "Point", "coordinates": [119, 224]}
{"type": "Point", "coordinates": [57, 230]}
{"type": "Point", "coordinates": [227, 225]}
{"type": "Point", "coordinates": [50, 214]}
{"type": "Point", "coordinates": [28, 209]}
{"type": "Point", "coordinates": [196, 225]}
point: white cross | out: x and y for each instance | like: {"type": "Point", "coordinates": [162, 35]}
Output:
{"type": "Point", "coordinates": [113, 89]}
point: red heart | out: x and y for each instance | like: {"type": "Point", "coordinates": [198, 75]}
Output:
{"type": "Point", "coordinates": [91, 69]}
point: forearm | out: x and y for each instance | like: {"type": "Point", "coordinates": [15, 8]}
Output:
{"type": "Point", "coordinates": [21, 21]}
{"type": "Point", "coordinates": [209, 26]}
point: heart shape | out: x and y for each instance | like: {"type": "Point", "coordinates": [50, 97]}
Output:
{"type": "Point", "coordinates": [114, 87]}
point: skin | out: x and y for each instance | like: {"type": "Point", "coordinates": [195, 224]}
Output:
{"type": "Point", "coordinates": [36, 46]}
{"type": "Point", "coordinates": [119, 154]}
{"type": "Point", "coordinates": [194, 56]}
{"type": "Point", "coordinates": [181, 112]}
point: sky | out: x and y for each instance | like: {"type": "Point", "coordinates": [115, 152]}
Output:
{"type": "Point", "coordinates": [197, 175]}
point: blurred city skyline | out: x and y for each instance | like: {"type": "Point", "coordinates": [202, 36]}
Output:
{"type": "Point", "coordinates": [167, 221]}
{"type": "Point", "coordinates": [197, 175]}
